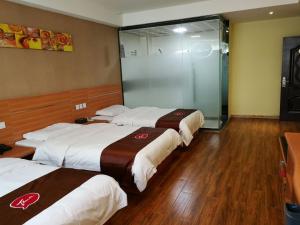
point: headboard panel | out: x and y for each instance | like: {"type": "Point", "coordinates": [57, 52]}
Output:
{"type": "Point", "coordinates": [101, 97]}
{"type": "Point", "coordinates": [5, 134]}
{"type": "Point", "coordinates": [26, 114]}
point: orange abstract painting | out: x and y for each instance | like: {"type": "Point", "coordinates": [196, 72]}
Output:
{"type": "Point", "coordinates": [18, 36]}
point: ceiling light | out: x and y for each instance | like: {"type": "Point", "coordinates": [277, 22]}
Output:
{"type": "Point", "coordinates": [195, 36]}
{"type": "Point", "coordinates": [271, 13]}
{"type": "Point", "coordinates": [180, 30]}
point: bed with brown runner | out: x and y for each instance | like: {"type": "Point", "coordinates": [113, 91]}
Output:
{"type": "Point", "coordinates": [184, 121]}
{"type": "Point", "coordinates": [123, 152]}
{"type": "Point", "coordinates": [31, 193]}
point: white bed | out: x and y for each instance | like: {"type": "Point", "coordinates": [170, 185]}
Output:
{"type": "Point", "coordinates": [94, 202]}
{"type": "Point", "coordinates": [148, 116]}
{"type": "Point", "coordinates": [81, 148]}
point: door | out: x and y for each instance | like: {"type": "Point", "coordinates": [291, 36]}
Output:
{"type": "Point", "coordinates": [290, 80]}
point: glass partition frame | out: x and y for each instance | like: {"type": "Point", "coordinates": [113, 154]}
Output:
{"type": "Point", "coordinates": [169, 71]}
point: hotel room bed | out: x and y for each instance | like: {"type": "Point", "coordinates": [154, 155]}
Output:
{"type": "Point", "coordinates": [31, 193]}
{"type": "Point", "coordinates": [113, 150]}
{"type": "Point", "coordinates": [185, 121]}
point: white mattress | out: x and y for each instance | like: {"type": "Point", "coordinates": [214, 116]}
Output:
{"type": "Point", "coordinates": [148, 116]}
{"type": "Point", "coordinates": [82, 148]}
{"type": "Point", "coordinates": [94, 202]}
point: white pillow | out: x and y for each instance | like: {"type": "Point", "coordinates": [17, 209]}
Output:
{"type": "Point", "coordinates": [50, 131]}
{"type": "Point", "coordinates": [107, 118]}
{"type": "Point", "coordinates": [113, 110]}
{"type": "Point", "coordinates": [29, 143]}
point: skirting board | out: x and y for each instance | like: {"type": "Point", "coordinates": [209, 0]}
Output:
{"type": "Point", "coordinates": [255, 117]}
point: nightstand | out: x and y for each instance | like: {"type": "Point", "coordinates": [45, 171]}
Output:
{"type": "Point", "coordinates": [19, 152]}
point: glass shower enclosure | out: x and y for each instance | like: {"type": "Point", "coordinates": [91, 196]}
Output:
{"type": "Point", "coordinates": [178, 65]}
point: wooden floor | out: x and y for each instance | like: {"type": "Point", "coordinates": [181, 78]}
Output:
{"type": "Point", "coordinates": [229, 177]}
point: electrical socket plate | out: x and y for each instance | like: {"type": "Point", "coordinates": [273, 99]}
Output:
{"type": "Point", "coordinates": [2, 125]}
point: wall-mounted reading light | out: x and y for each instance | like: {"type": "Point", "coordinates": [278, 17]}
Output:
{"type": "Point", "coordinates": [271, 13]}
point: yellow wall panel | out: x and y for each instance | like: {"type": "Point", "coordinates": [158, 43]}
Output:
{"type": "Point", "coordinates": [255, 65]}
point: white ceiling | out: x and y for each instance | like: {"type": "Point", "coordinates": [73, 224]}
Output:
{"type": "Point", "coordinates": [133, 12]}
{"type": "Point", "coordinates": [209, 8]}
{"type": "Point", "coordinates": [263, 13]}
{"type": "Point", "coordinates": [127, 6]}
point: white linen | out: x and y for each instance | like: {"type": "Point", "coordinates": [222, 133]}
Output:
{"type": "Point", "coordinates": [94, 202]}
{"type": "Point", "coordinates": [148, 116]}
{"type": "Point", "coordinates": [82, 148]}
{"type": "Point", "coordinates": [15, 173]}
{"type": "Point", "coordinates": [113, 110]}
{"type": "Point", "coordinates": [29, 143]}
{"type": "Point", "coordinates": [50, 131]}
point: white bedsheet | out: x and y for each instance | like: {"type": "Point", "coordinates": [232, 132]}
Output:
{"type": "Point", "coordinates": [82, 148]}
{"type": "Point", "coordinates": [94, 202]}
{"type": "Point", "coordinates": [148, 116]}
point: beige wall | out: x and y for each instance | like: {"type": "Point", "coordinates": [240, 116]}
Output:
{"type": "Point", "coordinates": [24, 72]}
{"type": "Point", "coordinates": [255, 65]}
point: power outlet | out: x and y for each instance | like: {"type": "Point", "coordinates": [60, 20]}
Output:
{"type": "Point", "coordinates": [84, 105]}
{"type": "Point", "coordinates": [2, 125]}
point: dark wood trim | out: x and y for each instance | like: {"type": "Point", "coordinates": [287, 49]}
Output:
{"type": "Point", "coordinates": [173, 22]}
{"type": "Point", "coordinates": [288, 90]}
{"type": "Point", "coordinates": [121, 73]}
{"type": "Point", "coordinates": [255, 117]}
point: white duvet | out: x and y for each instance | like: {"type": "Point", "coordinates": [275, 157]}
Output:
{"type": "Point", "coordinates": [81, 149]}
{"type": "Point", "coordinates": [148, 116]}
{"type": "Point", "coordinates": [94, 202]}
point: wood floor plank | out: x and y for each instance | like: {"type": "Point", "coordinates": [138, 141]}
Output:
{"type": "Point", "coordinates": [225, 178]}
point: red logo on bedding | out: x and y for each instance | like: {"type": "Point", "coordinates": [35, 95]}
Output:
{"type": "Point", "coordinates": [141, 136]}
{"type": "Point", "coordinates": [25, 201]}
{"type": "Point", "coordinates": [179, 113]}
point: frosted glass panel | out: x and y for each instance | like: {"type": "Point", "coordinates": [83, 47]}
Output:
{"type": "Point", "coordinates": [174, 70]}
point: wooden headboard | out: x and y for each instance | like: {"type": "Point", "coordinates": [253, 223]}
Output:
{"type": "Point", "coordinates": [26, 114]}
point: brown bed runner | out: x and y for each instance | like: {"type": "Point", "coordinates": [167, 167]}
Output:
{"type": "Point", "coordinates": [172, 119]}
{"type": "Point", "coordinates": [24, 203]}
{"type": "Point", "coordinates": [117, 159]}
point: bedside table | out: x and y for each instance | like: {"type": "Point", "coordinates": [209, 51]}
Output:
{"type": "Point", "coordinates": [19, 152]}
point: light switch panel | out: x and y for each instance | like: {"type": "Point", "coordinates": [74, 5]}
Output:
{"type": "Point", "coordinates": [77, 107]}
{"type": "Point", "coordinates": [84, 105]}
{"type": "Point", "coordinates": [2, 125]}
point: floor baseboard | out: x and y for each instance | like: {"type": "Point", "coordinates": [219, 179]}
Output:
{"type": "Point", "coordinates": [255, 117]}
